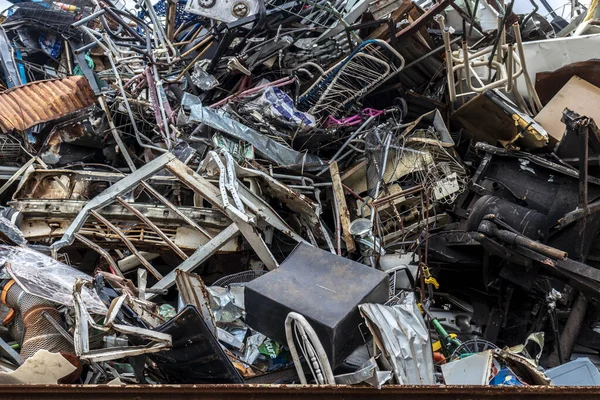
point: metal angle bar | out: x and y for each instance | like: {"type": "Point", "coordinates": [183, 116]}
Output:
{"type": "Point", "coordinates": [124, 185]}
{"type": "Point", "coordinates": [265, 212]}
{"type": "Point", "coordinates": [198, 257]}
{"type": "Point", "coordinates": [128, 243]}
{"type": "Point", "coordinates": [17, 174]}
{"type": "Point", "coordinates": [100, 251]}
{"type": "Point", "coordinates": [176, 210]}
{"type": "Point", "coordinates": [209, 192]}
{"type": "Point", "coordinates": [152, 226]}
{"type": "Point", "coordinates": [115, 133]}
{"type": "Point", "coordinates": [10, 352]}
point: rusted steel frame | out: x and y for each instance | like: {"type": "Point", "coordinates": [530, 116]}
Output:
{"type": "Point", "coordinates": [100, 251]}
{"type": "Point", "coordinates": [209, 192]}
{"type": "Point", "coordinates": [583, 130]}
{"type": "Point", "coordinates": [128, 243]}
{"type": "Point", "coordinates": [423, 19]}
{"type": "Point", "coordinates": [253, 392]}
{"type": "Point", "coordinates": [152, 226]}
{"type": "Point", "coordinates": [384, 29]}
{"type": "Point", "coordinates": [202, 254]}
{"type": "Point", "coordinates": [173, 208]}
{"type": "Point", "coordinates": [407, 192]}
{"type": "Point", "coordinates": [171, 13]}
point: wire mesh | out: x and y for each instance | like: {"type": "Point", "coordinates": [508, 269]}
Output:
{"type": "Point", "coordinates": [10, 149]}
{"type": "Point", "coordinates": [56, 16]}
{"type": "Point", "coordinates": [240, 277]}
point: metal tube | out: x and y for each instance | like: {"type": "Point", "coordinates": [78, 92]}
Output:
{"type": "Point", "coordinates": [570, 332]}
{"type": "Point", "coordinates": [341, 149]}
{"type": "Point", "coordinates": [509, 68]}
{"type": "Point", "coordinates": [534, 98]}
{"type": "Point", "coordinates": [103, 253]}
{"type": "Point", "coordinates": [128, 243]}
{"type": "Point", "coordinates": [152, 226]}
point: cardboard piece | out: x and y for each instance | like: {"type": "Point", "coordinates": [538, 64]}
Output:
{"type": "Point", "coordinates": [43, 368]}
{"type": "Point", "coordinates": [577, 95]}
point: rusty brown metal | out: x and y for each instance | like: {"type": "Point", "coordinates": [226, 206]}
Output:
{"type": "Point", "coordinates": [156, 229]}
{"type": "Point", "coordinates": [423, 19]}
{"type": "Point", "coordinates": [548, 84]}
{"type": "Point", "coordinates": [265, 392]}
{"type": "Point", "coordinates": [100, 251]}
{"type": "Point", "coordinates": [28, 105]}
{"type": "Point", "coordinates": [128, 243]}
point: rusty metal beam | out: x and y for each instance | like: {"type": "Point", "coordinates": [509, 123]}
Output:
{"type": "Point", "coordinates": [155, 228]}
{"type": "Point", "coordinates": [128, 243]}
{"type": "Point", "coordinates": [267, 392]}
{"type": "Point", "coordinates": [100, 251]}
{"type": "Point", "coordinates": [201, 255]}
{"type": "Point", "coordinates": [423, 19]}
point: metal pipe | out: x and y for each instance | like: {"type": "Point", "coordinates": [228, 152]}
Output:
{"type": "Point", "coordinates": [530, 88]}
{"type": "Point", "coordinates": [488, 228]}
{"type": "Point", "coordinates": [570, 333]}
{"type": "Point", "coordinates": [341, 149]}
{"type": "Point", "coordinates": [152, 226]}
{"type": "Point", "coordinates": [103, 253]}
{"type": "Point", "coordinates": [128, 243]}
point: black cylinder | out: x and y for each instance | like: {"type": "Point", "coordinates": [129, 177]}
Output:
{"type": "Point", "coordinates": [526, 221]}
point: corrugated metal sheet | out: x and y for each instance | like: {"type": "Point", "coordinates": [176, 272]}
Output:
{"type": "Point", "coordinates": [28, 105]}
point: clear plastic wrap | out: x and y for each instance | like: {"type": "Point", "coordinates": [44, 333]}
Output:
{"type": "Point", "coordinates": [47, 278]}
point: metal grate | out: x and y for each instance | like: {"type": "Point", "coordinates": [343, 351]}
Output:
{"type": "Point", "coordinates": [10, 149]}
{"type": "Point", "coordinates": [56, 16]}
{"type": "Point", "coordinates": [240, 277]}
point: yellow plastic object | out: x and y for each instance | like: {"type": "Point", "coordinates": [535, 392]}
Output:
{"type": "Point", "coordinates": [432, 281]}
{"type": "Point", "coordinates": [437, 346]}
{"type": "Point", "coordinates": [429, 280]}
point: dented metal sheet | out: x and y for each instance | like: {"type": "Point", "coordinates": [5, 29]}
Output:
{"type": "Point", "coordinates": [42, 101]}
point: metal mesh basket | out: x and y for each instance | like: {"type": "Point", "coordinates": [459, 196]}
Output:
{"type": "Point", "coordinates": [240, 277]}
{"type": "Point", "coordinates": [56, 16]}
{"type": "Point", "coordinates": [10, 149]}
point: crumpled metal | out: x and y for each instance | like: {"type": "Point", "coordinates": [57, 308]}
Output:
{"type": "Point", "coordinates": [368, 373]}
{"type": "Point", "coordinates": [265, 146]}
{"type": "Point", "coordinates": [223, 305]}
{"type": "Point", "coordinates": [402, 336]}
{"type": "Point", "coordinates": [252, 352]}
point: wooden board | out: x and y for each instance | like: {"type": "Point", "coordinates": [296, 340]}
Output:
{"type": "Point", "coordinates": [577, 95]}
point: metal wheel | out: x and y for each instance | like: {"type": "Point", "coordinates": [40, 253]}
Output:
{"type": "Point", "coordinates": [472, 346]}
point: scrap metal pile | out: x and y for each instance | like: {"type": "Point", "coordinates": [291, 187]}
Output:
{"type": "Point", "coordinates": [327, 192]}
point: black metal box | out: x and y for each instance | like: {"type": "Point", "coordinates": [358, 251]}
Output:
{"type": "Point", "coordinates": [326, 289]}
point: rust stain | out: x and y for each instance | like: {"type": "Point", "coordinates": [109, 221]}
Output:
{"type": "Point", "coordinates": [28, 105]}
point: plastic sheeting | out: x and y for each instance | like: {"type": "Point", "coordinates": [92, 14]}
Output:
{"type": "Point", "coordinates": [47, 278]}
{"type": "Point", "coordinates": [267, 147]}
{"type": "Point", "coordinates": [402, 336]}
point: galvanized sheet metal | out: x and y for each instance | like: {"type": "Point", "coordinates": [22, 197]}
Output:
{"type": "Point", "coordinates": [28, 105]}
